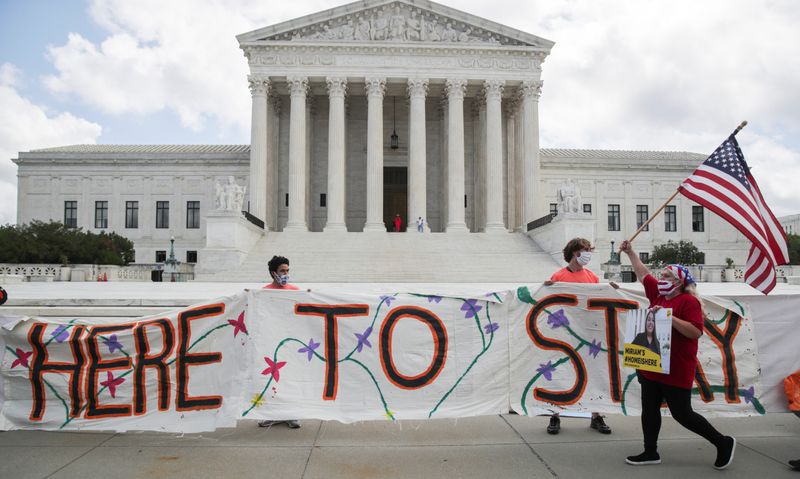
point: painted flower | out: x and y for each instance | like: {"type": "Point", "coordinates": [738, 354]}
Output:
{"type": "Point", "coordinates": [258, 400]}
{"type": "Point", "coordinates": [546, 370]}
{"type": "Point", "coordinates": [60, 334]}
{"type": "Point", "coordinates": [273, 368]}
{"type": "Point", "coordinates": [471, 307]}
{"type": "Point", "coordinates": [112, 343]}
{"type": "Point", "coordinates": [238, 324]}
{"type": "Point", "coordinates": [22, 359]}
{"type": "Point", "coordinates": [558, 319]}
{"type": "Point", "coordinates": [748, 394]}
{"type": "Point", "coordinates": [434, 299]}
{"type": "Point", "coordinates": [363, 339]}
{"type": "Point", "coordinates": [491, 327]}
{"type": "Point", "coordinates": [111, 383]}
{"type": "Point", "coordinates": [594, 348]}
{"type": "Point", "coordinates": [387, 299]}
{"type": "Point", "coordinates": [310, 349]}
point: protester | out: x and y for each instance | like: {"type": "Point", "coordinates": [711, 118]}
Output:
{"type": "Point", "coordinates": [577, 254]}
{"type": "Point", "coordinates": [279, 272]}
{"type": "Point", "coordinates": [676, 387]}
{"type": "Point", "coordinates": [420, 224]}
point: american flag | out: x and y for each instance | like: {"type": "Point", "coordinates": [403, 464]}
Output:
{"type": "Point", "coordinates": [724, 185]}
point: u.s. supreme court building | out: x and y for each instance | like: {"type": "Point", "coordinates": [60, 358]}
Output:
{"type": "Point", "coordinates": [360, 113]}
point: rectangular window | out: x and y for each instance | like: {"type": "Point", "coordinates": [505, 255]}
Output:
{"type": "Point", "coordinates": [613, 217]}
{"type": "Point", "coordinates": [645, 257]}
{"type": "Point", "coordinates": [642, 216]}
{"type": "Point", "coordinates": [191, 256]}
{"type": "Point", "coordinates": [161, 256]}
{"type": "Point", "coordinates": [101, 214]}
{"type": "Point", "coordinates": [671, 218]}
{"type": "Point", "coordinates": [587, 208]}
{"type": "Point", "coordinates": [132, 214]}
{"type": "Point", "coordinates": [192, 215]}
{"type": "Point", "coordinates": [71, 214]}
{"type": "Point", "coordinates": [323, 200]}
{"type": "Point", "coordinates": [553, 209]}
{"type": "Point", "coordinates": [465, 201]}
{"type": "Point", "coordinates": [698, 223]}
{"type": "Point", "coordinates": [162, 214]}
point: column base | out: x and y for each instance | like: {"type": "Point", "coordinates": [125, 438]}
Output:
{"type": "Point", "coordinates": [375, 228]}
{"type": "Point", "coordinates": [335, 227]}
{"type": "Point", "coordinates": [457, 228]}
{"type": "Point", "coordinates": [300, 226]}
{"type": "Point", "coordinates": [495, 228]}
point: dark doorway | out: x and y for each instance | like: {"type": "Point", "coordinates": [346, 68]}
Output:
{"type": "Point", "coordinates": [395, 196]}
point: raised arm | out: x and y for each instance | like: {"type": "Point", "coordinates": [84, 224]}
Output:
{"type": "Point", "coordinates": [638, 267]}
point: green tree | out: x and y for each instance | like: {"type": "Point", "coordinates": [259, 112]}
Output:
{"type": "Point", "coordinates": [794, 248]}
{"type": "Point", "coordinates": [40, 242]}
{"type": "Point", "coordinates": [682, 252]}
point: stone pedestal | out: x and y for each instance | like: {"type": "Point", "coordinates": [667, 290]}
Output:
{"type": "Point", "coordinates": [229, 238]}
{"type": "Point", "coordinates": [553, 236]}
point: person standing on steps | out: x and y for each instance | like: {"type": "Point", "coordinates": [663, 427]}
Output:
{"type": "Point", "coordinates": [398, 222]}
{"type": "Point", "coordinates": [676, 387]}
{"type": "Point", "coordinates": [420, 225]}
{"type": "Point", "coordinates": [279, 272]}
{"type": "Point", "coordinates": [577, 254]}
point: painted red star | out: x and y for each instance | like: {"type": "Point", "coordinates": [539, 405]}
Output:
{"type": "Point", "coordinates": [238, 324]}
{"type": "Point", "coordinates": [22, 359]}
{"type": "Point", "coordinates": [274, 368]}
{"type": "Point", "coordinates": [111, 383]}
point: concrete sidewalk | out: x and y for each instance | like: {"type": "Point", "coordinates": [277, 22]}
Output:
{"type": "Point", "coordinates": [484, 447]}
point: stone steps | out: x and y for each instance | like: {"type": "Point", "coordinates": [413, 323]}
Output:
{"type": "Point", "coordinates": [397, 257]}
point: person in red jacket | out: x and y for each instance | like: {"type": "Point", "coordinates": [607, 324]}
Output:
{"type": "Point", "coordinates": [398, 222]}
{"type": "Point", "coordinates": [577, 254]}
{"type": "Point", "coordinates": [669, 291]}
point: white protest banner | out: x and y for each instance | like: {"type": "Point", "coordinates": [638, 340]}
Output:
{"type": "Point", "coordinates": [567, 353]}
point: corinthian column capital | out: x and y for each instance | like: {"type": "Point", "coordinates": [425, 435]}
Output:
{"type": "Point", "coordinates": [417, 87]}
{"type": "Point", "coordinates": [337, 87]}
{"type": "Point", "coordinates": [259, 85]}
{"type": "Point", "coordinates": [493, 89]}
{"type": "Point", "coordinates": [455, 88]}
{"type": "Point", "coordinates": [375, 86]}
{"type": "Point", "coordinates": [531, 88]}
{"type": "Point", "coordinates": [298, 86]}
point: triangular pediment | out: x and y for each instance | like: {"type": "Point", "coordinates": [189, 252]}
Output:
{"type": "Point", "coordinates": [395, 21]}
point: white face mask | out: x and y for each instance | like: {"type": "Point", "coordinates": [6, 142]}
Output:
{"type": "Point", "coordinates": [584, 258]}
{"type": "Point", "coordinates": [282, 279]}
{"type": "Point", "coordinates": [665, 288]}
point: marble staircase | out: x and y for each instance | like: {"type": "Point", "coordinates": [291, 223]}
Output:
{"type": "Point", "coordinates": [396, 257]}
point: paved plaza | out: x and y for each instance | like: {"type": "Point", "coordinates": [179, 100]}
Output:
{"type": "Point", "coordinates": [506, 446]}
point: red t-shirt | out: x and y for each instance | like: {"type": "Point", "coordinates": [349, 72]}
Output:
{"type": "Point", "coordinates": [564, 275]}
{"type": "Point", "coordinates": [288, 286]}
{"type": "Point", "coordinates": [683, 359]}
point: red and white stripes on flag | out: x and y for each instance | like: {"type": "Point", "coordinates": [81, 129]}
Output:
{"type": "Point", "coordinates": [724, 185]}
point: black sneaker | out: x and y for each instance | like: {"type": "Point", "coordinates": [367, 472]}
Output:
{"type": "Point", "coordinates": [725, 453]}
{"type": "Point", "coordinates": [600, 425]}
{"type": "Point", "coordinates": [644, 459]}
{"type": "Point", "coordinates": [267, 423]}
{"type": "Point", "coordinates": [555, 425]}
{"type": "Point", "coordinates": [293, 424]}
{"type": "Point", "coordinates": [795, 463]}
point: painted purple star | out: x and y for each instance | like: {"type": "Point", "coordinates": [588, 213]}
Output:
{"type": "Point", "coordinates": [491, 327]}
{"type": "Point", "coordinates": [557, 319]}
{"type": "Point", "coordinates": [60, 334]}
{"type": "Point", "coordinates": [112, 343]}
{"type": "Point", "coordinates": [310, 349]}
{"type": "Point", "coordinates": [363, 339]}
{"type": "Point", "coordinates": [471, 307]}
{"type": "Point", "coordinates": [594, 348]}
{"type": "Point", "coordinates": [546, 370]}
{"type": "Point", "coordinates": [434, 299]}
{"type": "Point", "coordinates": [749, 394]}
{"type": "Point", "coordinates": [387, 299]}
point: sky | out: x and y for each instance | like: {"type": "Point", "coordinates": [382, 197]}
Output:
{"type": "Point", "coordinates": [623, 74]}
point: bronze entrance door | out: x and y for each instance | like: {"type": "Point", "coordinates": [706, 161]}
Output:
{"type": "Point", "coordinates": [395, 196]}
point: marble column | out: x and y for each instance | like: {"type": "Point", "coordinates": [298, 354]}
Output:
{"type": "Point", "coordinates": [298, 88]}
{"type": "Point", "coordinates": [259, 89]}
{"type": "Point", "coordinates": [375, 89]}
{"type": "Point", "coordinates": [336, 155]}
{"type": "Point", "coordinates": [417, 159]}
{"type": "Point", "coordinates": [455, 89]}
{"type": "Point", "coordinates": [494, 156]}
{"type": "Point", "coordinates": [532, 209]}
{"type": "Point", "coordinates": [511, 155]}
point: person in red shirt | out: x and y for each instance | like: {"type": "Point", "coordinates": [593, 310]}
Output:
{"type": "Point", "coordinates": [676, 387]}
{"type": "Point", "coordinates": [577, 254]}
{"type": "Point", "coordinates": [398, 222]}
{"type": "Point", "coordinates": [279, 272]}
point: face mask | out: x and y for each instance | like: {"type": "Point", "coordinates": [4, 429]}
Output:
{"type": "Point", "coordinates": [584, 258]}
{"type": "Point", "coordinates": [282, 279]}
{"type": "Point", "coordinates": [665, 288]}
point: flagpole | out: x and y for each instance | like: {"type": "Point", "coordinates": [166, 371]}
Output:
{"type": "Point", "coordinates": [649, 220]}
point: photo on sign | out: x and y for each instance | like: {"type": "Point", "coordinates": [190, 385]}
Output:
{"type": "Point", "coordinates": [648, 336]}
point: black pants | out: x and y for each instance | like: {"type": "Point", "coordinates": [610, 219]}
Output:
{"type": "Point", "coordinates": [680, 406]}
